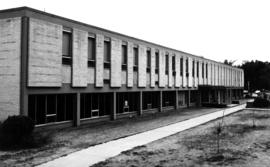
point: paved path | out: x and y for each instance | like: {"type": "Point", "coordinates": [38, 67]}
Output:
{"type": "Point", "coordinates": [101, 152]}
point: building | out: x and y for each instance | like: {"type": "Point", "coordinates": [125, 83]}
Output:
{"type": "Point", "coordinates": [62, 72]}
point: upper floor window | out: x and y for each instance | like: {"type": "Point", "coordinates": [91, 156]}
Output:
{"type": "Point", "coordinates": [198, 69]}
{"type": "Point", "coordinates": [148, 53]}
{"type": "Point", "coordinates": [136, 56]}
{"type": "Point", "coordinates": [181, 66]}
{"type": "Point", "coordinates": [107, 54]}
{"type": "Point", "coordinates": [193, 68]}
{"type": "Point", "coordinates": [124, 54]}
{"type": "Point", "coordinates": [67, 48]}
{"type": "Point", "coordinates": [167, 64]}
{"type": "Point", "coordinates": [173, 63]}
{"type": "Point", "coordinates": [187, 72]}
{"type": "Point", "coordinates": [206, 70]}
{"type": "Point", "coordinates": [157, 61]}
{"type": "Point", "coordinates": [91, 51]}
{"type": "Point", "coordinates": [202, 70]}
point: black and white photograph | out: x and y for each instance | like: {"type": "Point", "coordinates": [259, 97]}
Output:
{"type": "Point", "coordinates": [134, 83]}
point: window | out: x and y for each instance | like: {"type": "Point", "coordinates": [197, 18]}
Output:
{"type": "Point", "coordinates": [91, 51]}
{"type": "Point", "coordinates": [148, 53]}
{"type": "Point", "coordinates": [124, 57]}
{"type": "Point", "coordinates": [45, 109]}
{"type": "Point", "coordinates": [198, 69]}
{"type": "Point", "coordinates": [150, 100]}
{"type": "Point", "coordinates": [187, 72]}
{"type": "Point", "coordinates": [181, 66]}
{"type": "Point", "coordinates": [107, 54]}
{"type": "Point", "coordinates": [168, 98]}
{"type": "Point", "coordinates": [193, 68]}
{"type": "Point", "coordinates": [173, 64]}
{"type": "Point", "coordinates": [127, 102]}
{"type": "Point", "coordinates": [202, 70]}
{"type": "Point", "coordinates": [136, 58]}
{"type": "Point", "coordinates": [157, 62]}
{"type": "Point", "coordinates": [66, 48]}
{"type": "Point", "coordinates": [167, 64]}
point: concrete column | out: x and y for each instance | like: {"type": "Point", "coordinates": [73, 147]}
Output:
{"type": "Point", "coordinates": [218, 97]}
{"type": "Point", "coordinates": [113, 114]}
{"type": "Point", "coordinates": [160, 102]}
{"type": "Point", "coordinates": [176, 100]}
{"type": "Point", "coordinates": [78, 109]}
{"type": "Point", "coordinates": [199, 99]}
{"type": "Point", "coordinates": [141, 101]}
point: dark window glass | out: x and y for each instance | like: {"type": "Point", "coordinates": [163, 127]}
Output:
{"type": "Point", "coordinates": [148, 58]}
{"type": "Point", "coordinates": [157, 60]}
{"type": "Point", "coordinates": [66, 46]}
{"type": "Point", "coordinates": [124, 54]}
{"type": "Point", "coordinates": [181, 66]}
{"type": "Point", "coordinates": [91, 49]}
{"type": "Point", "coordinates": [173, 63]}
{"type": "Point", "coordinates": [206, 70]}
{"type": "Point", "coordinates": [197, 69]}
{"type": "Point", "coordinates": [202, 70]}
{"type": "Point", "coordinates": [136, 54]}
{"type": "Point", "coordinates": [107, 52]}
{"type": "Point", "coordinates": [187, 72]}
{"type": "Point", "coordinates": [193, 69]}
{"type": "Point", "coordinates": [167, 64]}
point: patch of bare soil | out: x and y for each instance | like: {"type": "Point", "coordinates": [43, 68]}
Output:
{"type": "Point", "coordinates": [238, 144]}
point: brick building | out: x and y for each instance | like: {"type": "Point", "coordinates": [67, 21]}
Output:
{"type": "Point", "coordinates": [62, 72]}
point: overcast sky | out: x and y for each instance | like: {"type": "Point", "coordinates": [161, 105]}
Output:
{"type": "Point", "coordinates": [215, 29]}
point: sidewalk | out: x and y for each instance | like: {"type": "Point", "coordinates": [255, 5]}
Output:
{"type": "Point", "coordinates": [101, 152]}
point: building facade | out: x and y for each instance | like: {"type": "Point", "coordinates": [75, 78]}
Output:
{"type": "Point", "coordinates": [60, 71]}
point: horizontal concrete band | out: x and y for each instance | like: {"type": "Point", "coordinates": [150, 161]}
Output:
{"type": "Point", "coordinates": [101, 152]}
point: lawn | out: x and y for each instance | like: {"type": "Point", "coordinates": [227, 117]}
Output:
{"type": "Point", "coordinates": [241, 144]}
{"type": "Point", "coordinates": [63, 142]}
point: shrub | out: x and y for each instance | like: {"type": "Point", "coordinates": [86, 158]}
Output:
{"type": "Point", "coordinates": [16, 130]}
{"type": "Point", "coordinates": [261, 103]}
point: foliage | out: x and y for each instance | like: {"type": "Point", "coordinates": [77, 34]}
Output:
{"type": "Point", "coordinates": [229, 62]}
{"type": "Point", "coordinates": [16, 130]}
{"type": "Point", "coordinates": [261, 103]}
{"type": "Point", "coordinates": [257, 73]}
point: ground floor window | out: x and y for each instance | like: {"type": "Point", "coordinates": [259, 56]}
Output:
{"type": "Point", "coordinates": [168, 98]}
{"type": "Point", "coordinates": [96, 104]}
{"type": "Point", "coordinates": [150, 100]}
{"type": "Point", "coordinates": [182, 98]}
{"type": "Point", "coordinates": [45, 109]}
{"type": "Point", "coordinates": [205, 95]}
{"type": "Point", "coordinates": [193, 96]}
{"type": "Point", "coordinates": [127, 102]}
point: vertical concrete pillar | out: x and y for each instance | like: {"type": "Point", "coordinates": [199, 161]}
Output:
{"type": "Point", "coordinates": [141, 102]}
{"type": "Point", "coordinates": [78, 109]}
{"type": "Point", "coordinates": [160, 101]}
{"type": "Point", "coordinates": [176, 100]}
{"type": "Point", "coordinates": [113, 114]}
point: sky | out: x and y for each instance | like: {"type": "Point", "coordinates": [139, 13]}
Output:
{"type": "Point", "coordinates": [237, 30]}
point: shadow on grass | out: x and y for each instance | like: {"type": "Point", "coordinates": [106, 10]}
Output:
{"type": "Point", "coordinates": [250, 116]}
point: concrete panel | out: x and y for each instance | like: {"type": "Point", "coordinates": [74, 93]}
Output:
{"type": "Point", "coordinates": [91, 75]}
{"type": "Point", "coordinates": [148, 79]}
{"type": "Point", "coordinates": [243, 78]}
{"type": "Point", "coordinates": [209, 73]}
{"type": "Point", "coordinates": [170, 81]}
{"type": "Point", "coordinates": [204, 78]}
{"type": "Point", "coordinates": [190, 78]}
{"type": "Point", "coordinates": [130, 63]}
{"type": "Point", "coordinates": [153, 67]}
{"type": "Point", "coordinates": [10, 49]}
{"type": "Point", "coordinates": [184, 72]}
{"type": "Point", "coordinates": [79, 58]}
{"type": "Point", "coordinates": [124, 77]}
{"type": "Point", "coordinates": [142, 66]}
{"type": "Point", "coordinates": [116, 62]}
{"type": "Point", "coordinates": [161, 72]}
{"type": "Point", "coordinates": [99, 60]}
{"type": "Point", "coordinates": [177, 70]}
{"type": "Point", "coordinates": [45, 54]}
{"type": "Point", "coordinates": [66, 74]}
{"type": "Point", "coordinates": [106, 74]}
{"type": "Point", "coordinates": [213, 74]}
{"type": "Point", "coordinates": [216, 74]}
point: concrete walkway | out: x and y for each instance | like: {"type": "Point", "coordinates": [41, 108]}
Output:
{"type": "Point", "coordinates": [101, 152]}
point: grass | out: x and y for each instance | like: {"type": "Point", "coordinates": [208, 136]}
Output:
{"type": "Point", "coordinates": [241, 144]}
{"type": "Point", "coordinates": [63, 142]}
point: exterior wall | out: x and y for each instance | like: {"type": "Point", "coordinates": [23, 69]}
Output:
{"type": "Point", "coordinates": [190, 78]}
{"type": "Point", "coordinates": [130, 62]}
{"type": "Point", "coordinates": [10, 47]}
{"type": "Point", "coordinates": [142, 66]}
{"type": "Point", "coordinates": [177, 70]}
{"type": "Point", "coordinates": [45, 54]}
{"type": "Point", "coordinates": [153, 68]}
{"type": "Point", "coordinates": [116, 61]}
{"type": "Point", "coordinates": [99, 60]}
{"type": "Point", "coordinates": [161, 68]}
{"type": "Point", "coordinates": [170, 76]}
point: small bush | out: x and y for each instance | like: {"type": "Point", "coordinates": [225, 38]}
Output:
{"type": "Point", "coordinates": [16, 130]}
{"type": "Point", "coordinates": [261, 103]}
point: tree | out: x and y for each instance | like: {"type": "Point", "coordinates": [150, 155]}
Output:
{"type": "Point", "coordinates": [229, 62]}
